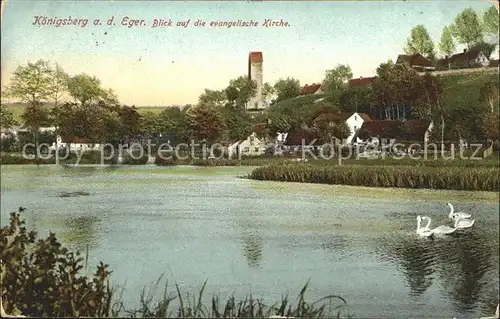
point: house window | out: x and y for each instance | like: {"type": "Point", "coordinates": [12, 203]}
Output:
{"type": "Point", "coordinates": [256, 149]}
{"type": "Point", "coordinates": [355, 118]}
{"type": "Point", "coordinates": [246, 149]}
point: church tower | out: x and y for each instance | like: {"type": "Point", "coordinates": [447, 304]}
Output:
{"type": "Point", "coordinates": [255, 73]}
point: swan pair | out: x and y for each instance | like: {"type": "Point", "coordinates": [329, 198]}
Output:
{"type": "Point", "coordinates": [427, 232]}
{"type": "Point", "coordinates": [462, 220]}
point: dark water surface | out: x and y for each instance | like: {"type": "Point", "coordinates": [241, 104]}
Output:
{"type": "Point", "coordinates": [194, 224]}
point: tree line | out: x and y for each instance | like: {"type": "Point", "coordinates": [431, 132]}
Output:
{"type": "Point", "coordinates": [467, 29]}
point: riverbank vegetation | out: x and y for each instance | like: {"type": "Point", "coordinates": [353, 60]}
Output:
{"type": "Point", "coordinates": [433, 177]}
{"type": "Point", "coordinates": [42, 278]}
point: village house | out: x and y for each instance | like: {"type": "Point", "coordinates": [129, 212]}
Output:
{"type": "Point", "coordinates": [386, 132]}
{"type": "Point", "coordinates": [353, 120]}
{"type": "Point", "coordinates": [254, 145]}
{"type": "Point", "coordinates": [295, 142]}
{"type": "Point", "coordinates": [314, 88]}
{"type": "Point", "coordinates": [361, 82]}
{"type": "Point", "coordinates": [74, 144]}
{"type": "Point", "coordinates": [416, 61]}
{"type": "Point", "coordinates": [464, 60]}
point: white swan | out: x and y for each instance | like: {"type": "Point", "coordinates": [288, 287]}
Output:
{"type": "Point", "coordinates": [440, 230]}
{"type": "Point", "coordinates": [462, 223]}
{"type": "Point", "coordinates": [460, 214]}
{"type": "Point", "coordinates": [423, 231]}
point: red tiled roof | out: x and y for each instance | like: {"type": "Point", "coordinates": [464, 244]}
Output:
{"type": "Point", "coordinates": [414, 129]}
{"type": "Point", "coordinates": [310, 89]}
{"type": "Point", "coordinates": [259, 128]}
{"type": "Point", "coordinates": [332, 117]}
{"type": "Point", "coordinates": [417, 127]}
{"type": "Point", "coordinates": [463, 57]}
{"type": "Point", "coordinates": [255, 57]}
{"type": "Point", "coordinates": [414, 60]}
{"type": "Point", "coordinates": [296, 139]}
{"type": "Point", "coordinates": [361, 81]}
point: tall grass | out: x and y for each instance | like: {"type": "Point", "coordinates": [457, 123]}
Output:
{"type": "Point", "coordinates": [456, 178]}
{"type": "Point", "coordinates": [176, 304]}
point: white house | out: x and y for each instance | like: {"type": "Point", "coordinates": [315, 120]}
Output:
{"type": "Point", "coordinates": [252, 146]}
{"type": "Point", "coordinates": [353, 120]}
{"type": "Point", "coordinates": [75, 144]}
{"type": "Point", "coordinates": [469, 58]}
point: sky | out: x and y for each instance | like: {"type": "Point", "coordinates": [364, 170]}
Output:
{"type": "Point", "coordinates": [164, 66]}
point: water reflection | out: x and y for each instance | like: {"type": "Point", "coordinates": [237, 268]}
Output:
{"type": "Point", "coordinates": [252, 249]}
{"type": "Point", "coordinates": [416, 257]}
{"type": "Point", "coordinates": [81, 231]}
{"type": "Point", "coordinates": [463, 264]}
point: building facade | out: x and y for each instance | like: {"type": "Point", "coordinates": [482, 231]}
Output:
{"type": "Point", "coordinates": [255, 72]}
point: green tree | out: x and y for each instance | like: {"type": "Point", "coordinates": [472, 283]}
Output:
{"type": "Point", "coordinates": [130, 121]}
{"type": "Point", "coordinates": [237, 122]}
{"type": "Point", "coordinates": [466, 28]}
{"type": "Point", "coordinates": [97, 109]}
{"type": "Point", "coordinates": [240, 91]}
{"type": "Point", "coordinates": [330, 130]}
{"type": "Point", "coordinates": [205, 123]}
{"type": "Point", "coordinates": [31, 83]}
{"type": "Point", "coordinates": [268, 92]}
{"type": "Point", "coordinates": [446, 46]}
{"type": "Point", "coordinates": [395, 90]}
{"type": "Point", "coordinates": [213, 98]}
{"type": "Point", "coordinates": [279, 124]}
{"type": "Point", "coordinates": [489, 96]}
{"type": "Point", "coordinates": [490, 21]}
{"type": "Point", "coordinates": [34, 117]}
{"type": "Point", "coordinates": [420, 42]}
{"type": "Point", "coordinates": [287, 88]}
{"type": "Point", "coordinates": [430, 105]}
{"type": "Point", "coordinates": [174, 120]}
{"type": "Point", "coordinates": [7, 118]}
{"type": "Point", "coordinates": [334, 79]}
{"type": "Point", "coordinates": [87, 90]}
{"type": "Point", "coordinates": [58, 84]}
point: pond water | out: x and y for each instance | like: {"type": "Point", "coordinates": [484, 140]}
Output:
{"type": "Point", "coordinates": [195, 224]}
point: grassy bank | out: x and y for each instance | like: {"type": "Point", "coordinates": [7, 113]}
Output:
{"type": "Point", "coordinates": [433, 177]}
{"type": "Point", "coordinates": [41, 278]}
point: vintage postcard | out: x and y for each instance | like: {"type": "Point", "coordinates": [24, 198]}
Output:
{"type": "Point", "coordinates": [250, 159]}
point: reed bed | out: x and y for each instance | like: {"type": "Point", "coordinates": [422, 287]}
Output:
{"type": "Point", "coordinates": [453, 178]}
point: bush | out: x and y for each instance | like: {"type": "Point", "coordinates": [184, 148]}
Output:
{"type": "Point", "coordinates": [40, 277]}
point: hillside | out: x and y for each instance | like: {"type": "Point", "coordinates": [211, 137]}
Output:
{"type": "Point", "coordinates": [459, 91]}
{"type": "Point", "coordinates": [464, 90]}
